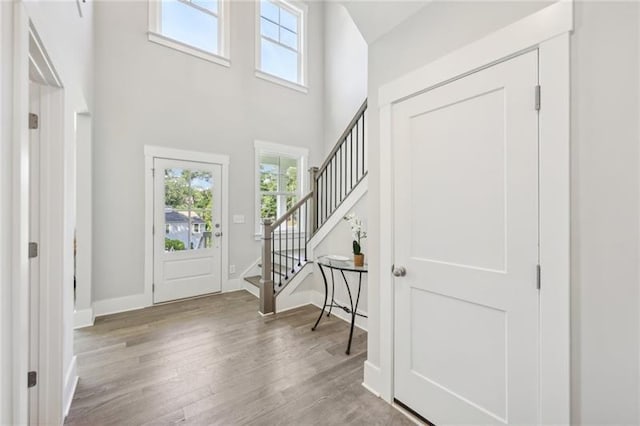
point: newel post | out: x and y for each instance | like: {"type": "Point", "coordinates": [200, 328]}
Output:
{"type": "Point", "coordinates": [267, 299]}
{"type": "Point", "coordinates": [313, 186]}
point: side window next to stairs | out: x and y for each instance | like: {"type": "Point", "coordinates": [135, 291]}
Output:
{"type": "Point", "coordinates": [280, 180]}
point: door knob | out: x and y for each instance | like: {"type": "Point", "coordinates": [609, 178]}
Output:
{"type": "Point", "coordinates": [218, 234]}
{"type": "Point", "coordinates": [399, 271]}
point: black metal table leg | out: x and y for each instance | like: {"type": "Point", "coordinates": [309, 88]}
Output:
{"type": "Point", "coordinates": [326, 293]}
{"type": "Point", "coordinates": [333, 292]}
{"type": "Point", "coordinates": [353, 311]}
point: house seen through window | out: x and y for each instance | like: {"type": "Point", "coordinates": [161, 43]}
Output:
{"type": "Point", "coordinates": [188, 209]}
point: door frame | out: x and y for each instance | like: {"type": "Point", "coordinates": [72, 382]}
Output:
{"type": "Point", "coordinates": [547, 31]}
{"type": "Point", "coordinates": [151, 152]}
{"type": "Point", "coordinates": [53, 388]}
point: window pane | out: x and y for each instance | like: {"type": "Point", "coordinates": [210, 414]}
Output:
{"type": "Point", "coordinates": [268, 29]}
{"type": "Point", "coordinates": [269, 11]}
{"type": "Point", "coordinates": [188, 25]}
{"type": "Point", "coordinates": [290, 168]}
{"type": "Point", "coordinates": [188, 209]}
{"type": "Point", "coordinates": [269, 174]}
{"type": "Point", "coordinates": [288, 20]}
{"type": "Point", "coordinates": [279, 61]}
{"type": "Point", "coordinates": [268, 207]}
{"type": "Point", "coordinates": [211, 5]}
{"type": "Point", "coordinates": [288, 38]}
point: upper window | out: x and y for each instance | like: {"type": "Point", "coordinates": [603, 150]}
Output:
{"type": "Point", "coordinates": [281, 41]}
{"type": "Point", "coordinates": [197, 27]}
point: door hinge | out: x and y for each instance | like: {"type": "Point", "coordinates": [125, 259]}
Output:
{"type": "Point", "coordinates": [33, 250]}
{"type": "Point", "coordinates": [538, 276]}
{"type": "Point", "coordinates": [537, 98]}
{"type": "Point", "coordinates": [32, 379]}
{"type": "Point", "coordinates": [153, 172]}
{"type": "Point", "coordinates": [153, 287]}
{"type": "Point", "coordinates": [33, 121]}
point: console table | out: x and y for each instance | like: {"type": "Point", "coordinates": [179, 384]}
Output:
{"type": "Point", "coordinates": [328, 263]}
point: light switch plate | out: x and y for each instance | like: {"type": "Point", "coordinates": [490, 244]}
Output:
{"type": "Point", "coordinates": [238, 218]}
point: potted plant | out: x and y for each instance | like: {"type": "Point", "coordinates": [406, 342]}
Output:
{"type": "Point", "coordinates": [358, 235]}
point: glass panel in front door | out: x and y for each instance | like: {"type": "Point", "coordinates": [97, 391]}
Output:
{"type": "Point", "coordinates": [188, 199]}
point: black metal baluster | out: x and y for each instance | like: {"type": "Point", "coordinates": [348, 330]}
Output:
{"type": "Point", "coordinates": [351, 159]}
{"type": "Point", "coordinates": [280, 255]}
{"type": "Point", "coordinates": [335, 184]}
{"type": "Point", "coordinates": [316, 206]}
{"type": "Point", "coordinates": [307, 233]}
{"type": "Point", "coordinates": [300, 234]}
{"type": "Point", "coordinates": [331, 187]}
{"type": "Point", "coordinates": [357, 156]}
{"type": "Point", "coordinates": [340, 155]}
{"type": "Point", "coordinates": [273, 258]}
{"type": "Point", "coordinates": [363, 166]}
{"type": "Point", "coordinates": [326, 194]}
{"type": "Point", "coordinates": [286, 249]}
{"type": "Point", "coordinates": [346, 181]}
{"type": "Point", "coordinates": [357, 143]}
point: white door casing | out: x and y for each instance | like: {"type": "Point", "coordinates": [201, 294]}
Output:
{"type": "Point", "coordinates": [197, 269]}
{"type": "Point", "coordinates": [466, 229]}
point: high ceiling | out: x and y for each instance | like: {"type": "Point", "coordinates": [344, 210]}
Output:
{"type": "Point", "coordinates": [376, 18]}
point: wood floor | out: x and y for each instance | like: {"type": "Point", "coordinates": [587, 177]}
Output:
{"type": "Point", "coordinates": [214, 360]}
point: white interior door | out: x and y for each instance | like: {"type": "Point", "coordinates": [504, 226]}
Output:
{"type": "Point", "coordinates": [466, 231]}
{"type": "Point", "coordinates": [187, 229]}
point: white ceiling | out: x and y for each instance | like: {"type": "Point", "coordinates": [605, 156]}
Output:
{"type": "Point", "coordinates": [376, 18]}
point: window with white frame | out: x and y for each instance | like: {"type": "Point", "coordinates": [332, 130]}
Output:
{"type": "Point", "coordinates": [279, 183]}
{"type": "Point", "coordinates": [197, 27]}
{"type": "Point", "coordinates": [280, 44]}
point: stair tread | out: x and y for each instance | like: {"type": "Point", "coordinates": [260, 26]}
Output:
{"type": "Point", "coordinates": [255, 280]}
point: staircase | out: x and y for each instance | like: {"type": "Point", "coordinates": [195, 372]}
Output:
{"type": "Point", "coordinates": [285, 245]}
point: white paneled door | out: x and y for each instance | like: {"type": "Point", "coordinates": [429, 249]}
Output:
{"type": "Point", "coordinates": [466, 248]}
{"type": "Point", "coordinates": [187, 229]}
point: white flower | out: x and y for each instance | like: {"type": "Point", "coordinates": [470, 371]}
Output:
{"type": "Point", "coordinates": [356, 224]}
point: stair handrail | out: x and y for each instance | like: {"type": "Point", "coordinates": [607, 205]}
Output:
{"type": "Point", "coordinates": [344, 135]}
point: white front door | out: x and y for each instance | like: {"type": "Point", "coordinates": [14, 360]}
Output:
{"type": "Point", "coordinates": [466, 231]}
{"type": "Point", "coordinates": [187, 229]}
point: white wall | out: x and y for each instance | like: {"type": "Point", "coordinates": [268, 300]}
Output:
{"type": "Point", "coordinates": [68, 40]}
{"type": "Point", "coordinates": [345, 72]}
{"type": "Point", "coordinates": [605, 188]}
{"type": "Point", "coordinates": [149, 94]}
{"type": "Point", "coordinates": [605, 183]}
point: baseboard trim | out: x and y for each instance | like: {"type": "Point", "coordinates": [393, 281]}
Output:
{"type": "Point", "coordinates": [372, 378]}
{"type": "Point", "coordinates": [291, 308]}
{"type": "Point", "coordinates": [83, 318]}
{"type": "Point", "coordinates": [119, 304]}
{"type": "Point", "coordinates": [70, 385]}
